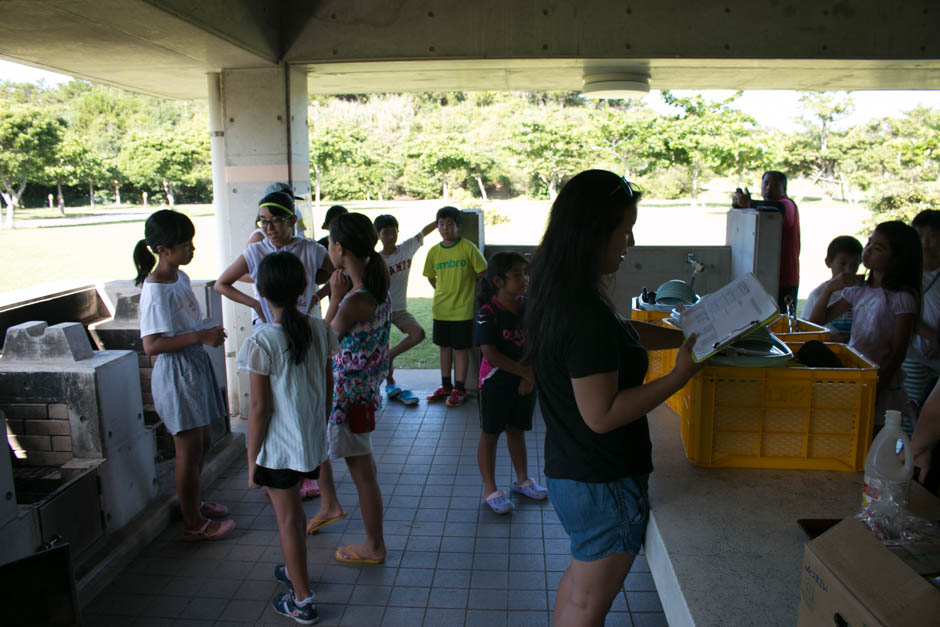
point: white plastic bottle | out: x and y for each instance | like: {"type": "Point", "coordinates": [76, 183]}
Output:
{"type": "Point", "coordinates": [885, 476]}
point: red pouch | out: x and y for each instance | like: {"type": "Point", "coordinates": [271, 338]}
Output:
{"type": "Point", "coordinates": [361, 417]}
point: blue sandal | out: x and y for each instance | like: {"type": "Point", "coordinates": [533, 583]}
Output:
{"type": "Point", "coordinates": [407, 397]}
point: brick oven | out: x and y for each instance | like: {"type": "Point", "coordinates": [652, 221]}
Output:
{"type": "Point", "coordinates": [82, 456]}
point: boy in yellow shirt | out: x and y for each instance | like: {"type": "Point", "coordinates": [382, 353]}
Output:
{"type": "Point", "coordinates": [453, 267]}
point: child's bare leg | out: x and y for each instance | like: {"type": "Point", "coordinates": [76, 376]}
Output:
{"type": "Point", "coordinates": [206, 433]}
{"type": "Point", "coordinates": [330, 506]}
{"type": "Point", "coordinates": [292, 533]}
{"type": "Point", "coordinates": [447, 360]}
{"type": "Point", "coordinates": [414, 335]}
{"type": "Point", "coordinates": [515, 442]}
{"type": "Point", "coordinates": [461, 363]}
{"type": "Point", "coordinates": [188, 445]}
{"type": "Point", "coordinates": [486, 460]}
{"type": "Point", "coordinates": [362, 469]}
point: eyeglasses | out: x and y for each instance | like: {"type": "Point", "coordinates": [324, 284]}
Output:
{"type": "Point", "coordinates": [623, 185]}
{"type": "Point", "coordinates": [275, 222]}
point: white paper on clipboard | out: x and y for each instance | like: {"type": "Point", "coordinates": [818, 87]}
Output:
{"type": "Point", "coordinates": [722, 316]}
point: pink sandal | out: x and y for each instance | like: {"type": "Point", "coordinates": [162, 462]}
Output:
{"type": "Point", "coordinates": [203, 533]}
{"type": "Point", "coordinates": [309, 489]}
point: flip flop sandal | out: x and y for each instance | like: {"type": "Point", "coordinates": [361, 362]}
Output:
{"type": "Point", "coordinates": [354, 559]}
{"type": "Point", "coordinates": [212, 510]}
{"type": "Point", "coordinates": [316, 524]}
{"type": "Point", "coordinates": [203, 533]}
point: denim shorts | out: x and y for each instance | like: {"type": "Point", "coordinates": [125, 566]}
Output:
{"type": "Point", "coordinates": [602, 518]}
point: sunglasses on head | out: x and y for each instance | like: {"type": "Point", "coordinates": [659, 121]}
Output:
{"type": "Point", "coordinates": [624, 185]}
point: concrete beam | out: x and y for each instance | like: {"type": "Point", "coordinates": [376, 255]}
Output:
{"type": "Point", "coordinates": [150, 47]}
{"type": "Point", "coordinates": [164, 47]}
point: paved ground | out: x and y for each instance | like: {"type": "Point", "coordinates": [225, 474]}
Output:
{"type": "Point", "coordinates": [451, 561]}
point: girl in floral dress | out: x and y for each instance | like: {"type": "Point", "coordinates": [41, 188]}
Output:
{"type": "Point", "coordinates": [360, 314]}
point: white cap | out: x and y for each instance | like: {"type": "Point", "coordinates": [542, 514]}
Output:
{"type": "Point", "coordinates": [892, 417]}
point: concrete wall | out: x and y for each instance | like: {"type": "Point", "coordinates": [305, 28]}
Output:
{"type": "Point", "coordinates": [651, 266]}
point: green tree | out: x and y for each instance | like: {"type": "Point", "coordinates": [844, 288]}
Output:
{"type": "Point", "coordinates": [819, 150]}
{"type": "Point", "coordinates": [445, 157]}
{"type": "Point", "coordinates": [74, 164]}
{"type": "Point", "coordinates": [29, 140]}
{"type": "Point", "coordinates": [331, 145]}
{"type": "Point", "coordinates": [549, 145]}
{"type": "Point", "coordinates": [707, 135]}
{"type": "Point", "coordinates": [164, 161]}
{"type": "Point", "coordinates": [628, 134]}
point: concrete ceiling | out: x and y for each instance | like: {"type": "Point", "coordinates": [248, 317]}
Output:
{"type": "Point", "coordinates": [165, 47]}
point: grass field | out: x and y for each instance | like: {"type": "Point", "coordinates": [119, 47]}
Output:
{"type": "Point", "coordinates": [425, 354]}
{"type": "Point", "coordinates": [42, 255]}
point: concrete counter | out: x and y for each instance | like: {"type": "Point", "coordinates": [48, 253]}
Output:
{"type": "Point", "coordinates": [723, 545]}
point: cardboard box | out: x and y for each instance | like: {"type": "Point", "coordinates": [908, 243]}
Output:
{"type": "Point", "coordinates": [850, 579]}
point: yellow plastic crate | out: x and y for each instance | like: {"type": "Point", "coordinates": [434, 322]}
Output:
{"type": "Point", "coordinates": [806, 330]}
{"type": "Point", "coordinates": [643, 315]}
{"type": "Point", "coordinates": [790, 418]}
{"type": "Point", "coordinates": [660, 362]}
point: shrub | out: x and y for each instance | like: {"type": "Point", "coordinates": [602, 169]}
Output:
{"type": "Point", "coordinates": [901, 203]}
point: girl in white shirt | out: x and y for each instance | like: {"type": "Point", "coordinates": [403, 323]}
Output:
{"type": "Point", "coordinates": [185, 393]}
{"type": "Point", "coordinates": [289, 361]}
{"type": "Point", "coordinates": [277, 217]}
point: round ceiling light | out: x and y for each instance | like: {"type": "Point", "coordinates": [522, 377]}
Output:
{"type": "Point", "coordinates": [616, 85]}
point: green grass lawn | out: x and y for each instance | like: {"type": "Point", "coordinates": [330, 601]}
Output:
{"type": "Point", "coordinates": [425, 354]}
{"type": "Point", "coordinates": [33, 256]}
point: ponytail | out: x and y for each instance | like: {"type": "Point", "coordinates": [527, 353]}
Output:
{"type": "Point", "coordinates": [281, 280]}
{"type": "Point", "coordinates": [375, 276]}
{"type": "Point", "coordinates": [143, 261]}
{"type": "Point", "coordinates": [357, 234]}
{"type": "Point", "coordinates": [165, 228]}
{"type": "Point", "coordinates": [299, 335]}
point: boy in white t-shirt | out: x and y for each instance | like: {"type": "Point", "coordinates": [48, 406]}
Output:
{"type": "Point", "coordinates": [843, 256]}
{"type": "Point", "coordinates": [398, 258]}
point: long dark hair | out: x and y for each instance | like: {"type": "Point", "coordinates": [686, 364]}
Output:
{"type": "Point", "coordinates": [281, 280]}
{"type": "Point", "coordinates": [905, 269]}
{"type": "Point", "coordinates": [498, 266]}
{"type": "Point", "coordinates": [567, 268]}
{"type": "Point", "coordinates": [357, 234]}
{"type": "Point", "coordinates": [163, 228]}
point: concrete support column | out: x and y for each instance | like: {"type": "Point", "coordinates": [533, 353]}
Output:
{"type": "Point", "coordinates": [264, 125]}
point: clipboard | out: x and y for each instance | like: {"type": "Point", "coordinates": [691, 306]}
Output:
{"type": "Point", "coordinates": [726, 314]}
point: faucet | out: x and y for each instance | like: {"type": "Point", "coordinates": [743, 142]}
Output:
{"type": "Point", "coordinates": [697, 268]}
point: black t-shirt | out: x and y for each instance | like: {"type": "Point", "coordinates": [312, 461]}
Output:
{"type": "Point", "coordinates": [499, 327]}
{"type": "Point", "coordinates": [598, 341]}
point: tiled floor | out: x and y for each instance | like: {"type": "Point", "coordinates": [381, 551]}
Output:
{"type": "Point", "coordinates": [451, 561]}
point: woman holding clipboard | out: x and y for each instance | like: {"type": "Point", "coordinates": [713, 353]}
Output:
{"type": "Point", "coordinates": [589, 367]}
